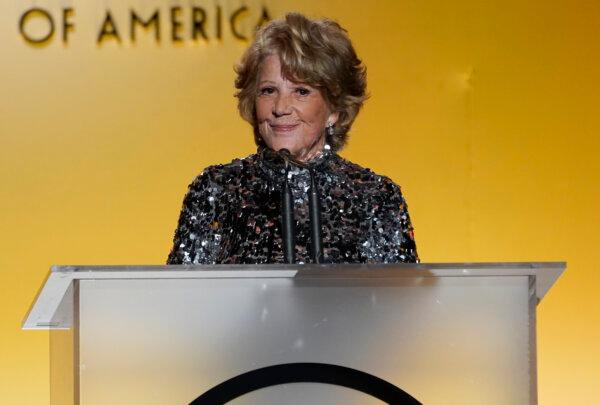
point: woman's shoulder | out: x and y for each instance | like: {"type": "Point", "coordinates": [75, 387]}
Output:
{"type": "Point", "coordinates": [227, 174]}
{"type": "Point", "coordinates": [365, 177]}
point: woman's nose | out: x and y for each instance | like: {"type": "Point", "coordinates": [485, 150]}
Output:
{"type": "Point", "coordinates": [282, 106]}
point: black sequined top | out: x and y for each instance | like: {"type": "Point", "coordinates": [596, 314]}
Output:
{"type": "Point", "coordinates": [232, 214]}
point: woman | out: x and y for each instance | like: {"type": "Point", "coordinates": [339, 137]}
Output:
{"type": "Point", "coordinates": [300, 85]}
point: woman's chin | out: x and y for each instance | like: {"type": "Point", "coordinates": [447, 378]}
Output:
{"type": "Point", "coordinates": [285, 144]}
{"type": "Point", "coordinates": [299, 151]}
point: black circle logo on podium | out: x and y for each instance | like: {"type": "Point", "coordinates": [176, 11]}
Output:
{"type": "Point", "coordinates": [305, 373]}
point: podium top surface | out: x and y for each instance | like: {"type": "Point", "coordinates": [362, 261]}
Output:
{"type": "Point", "coordinates": [57, 291]}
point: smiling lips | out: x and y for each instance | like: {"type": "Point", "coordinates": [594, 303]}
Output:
{"type": "Point", "coordinates": [283, 127]}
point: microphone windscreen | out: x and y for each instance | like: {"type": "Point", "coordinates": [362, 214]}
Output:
{"type": "Point", "coordinates": [285, 153]}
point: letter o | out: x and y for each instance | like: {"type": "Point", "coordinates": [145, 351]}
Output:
{"type": "Point", "coordinates": [29, 13]}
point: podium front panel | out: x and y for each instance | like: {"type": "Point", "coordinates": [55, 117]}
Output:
{"type": "Point", "coordinates": [440, 339]}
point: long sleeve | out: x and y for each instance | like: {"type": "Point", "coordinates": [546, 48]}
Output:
{"type": "Point", "coordinates": [390, 237]}
{"type": "Point", "coordinates": [231, 214]}
{"type": "Point", "coordinates": [198, 237]}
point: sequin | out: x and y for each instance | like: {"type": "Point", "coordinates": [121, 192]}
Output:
{"type": "Point", "coordinates": [231, 214]}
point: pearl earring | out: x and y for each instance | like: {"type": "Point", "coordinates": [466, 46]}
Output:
{"type": "Point", "coordinates": [330, 130]}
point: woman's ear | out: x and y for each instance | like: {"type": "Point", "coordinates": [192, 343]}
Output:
{"type": "Point", "coordinates": [333, 118]}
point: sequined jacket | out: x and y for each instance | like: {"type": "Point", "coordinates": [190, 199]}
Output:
{"type": "Point", "coordinates": [232, 214]}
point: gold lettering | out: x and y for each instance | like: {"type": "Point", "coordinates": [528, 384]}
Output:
{"type": "Point", "coordinates": [67, 25]}
{"type": "Point", "coordinates": [153, 20]}
{"type": "Point", "coordinates": [198, 20]}
{"type": "Point", "coordinates": [40, 12]}
{"type": "Point", "coordinates": [237, 14]}
{"type": "Point", "coordinates": [108, 29]}
{"type": "Point", "coordinates": [175, 24]}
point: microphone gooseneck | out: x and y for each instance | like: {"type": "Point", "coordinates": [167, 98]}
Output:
{"type": "Point", "coordinates": [287, 214]}
{"type": "Point", "coordinates": [314, 207]}
{"type": "Point", "coordinates": [288, 229]}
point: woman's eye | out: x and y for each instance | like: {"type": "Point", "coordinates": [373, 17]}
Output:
{"type": "Point", "coordinates": [303, 91]}
{"type": "Point", "coordinates": [267, 90]}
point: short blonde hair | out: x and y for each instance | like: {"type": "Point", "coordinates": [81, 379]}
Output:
{"type": "Point", "coordinates": [316, 52]}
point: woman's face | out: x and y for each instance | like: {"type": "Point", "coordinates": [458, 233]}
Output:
{"type": "Point", "coordinates": [290, 115]}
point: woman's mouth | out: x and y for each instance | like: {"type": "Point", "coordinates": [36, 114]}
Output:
{"type": "Point", "coordinates": [283, 127]}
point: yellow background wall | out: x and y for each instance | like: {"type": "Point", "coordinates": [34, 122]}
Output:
{"type": "Point", "coordinates": [486, 112]}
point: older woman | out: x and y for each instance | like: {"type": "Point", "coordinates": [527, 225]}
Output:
{"type": "Point", "coordinates": [301, 86]}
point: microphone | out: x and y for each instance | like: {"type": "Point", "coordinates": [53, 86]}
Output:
{"type": "Point", "coordinates": [288, 232]}
{"type": "Point", "coordinates": [314, 207]}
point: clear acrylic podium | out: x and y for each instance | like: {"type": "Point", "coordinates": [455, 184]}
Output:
{"type": "Point", "coordinates": [443, 333]}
